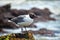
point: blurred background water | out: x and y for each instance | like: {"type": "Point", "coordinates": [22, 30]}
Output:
{"type": "Point", "coordinates": [54, 7]}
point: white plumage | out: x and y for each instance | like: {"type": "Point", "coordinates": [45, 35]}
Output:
{"type": "Point", "coordinates": [23, 20]}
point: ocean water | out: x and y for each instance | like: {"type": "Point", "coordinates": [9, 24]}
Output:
{"type": "Point", "coordinates": [51, 25]}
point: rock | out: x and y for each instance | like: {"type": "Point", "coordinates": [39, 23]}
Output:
{"type": "Point", "coordinates": [1, 31]}
{"type": "Point", "coordinates": [16, 13]}
{"type": "Point", "coordinates": [8, 15]}
{"type": "Point", "coordinates": [44, 31]}
{"type": "Point", "coordinates": [4, 15]}
{"type": "Point", "coordinates": [42, 14]}
{"type": "Point", "coordinates": [5, 24]}
{"type": "Point", "coordinates": [36, 11]}
{"type": "Point", "coordinates": [5, 8]}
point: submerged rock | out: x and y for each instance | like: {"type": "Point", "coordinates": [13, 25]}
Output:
{"type": "Point", "coordinates": [43, 31]}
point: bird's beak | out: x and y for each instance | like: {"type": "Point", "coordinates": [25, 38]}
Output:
{"type": "Point", "coordinates": [36, 16]}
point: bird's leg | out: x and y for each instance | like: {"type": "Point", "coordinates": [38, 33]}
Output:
{"type": "Point", "coordinates": [21, 28]}
{"type": "Point", "coordinates": [25, 28]}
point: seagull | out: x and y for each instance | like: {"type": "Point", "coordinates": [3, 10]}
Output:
{"type": "Point", "coordinates": [24, 20]}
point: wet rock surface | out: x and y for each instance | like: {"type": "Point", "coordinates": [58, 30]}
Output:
{"type": "Point", "coordinates": [4, 15]}
{"type": "Point", "coordinates": [42, 14]}
{"type": "Point", "coordinates": [43, 32]}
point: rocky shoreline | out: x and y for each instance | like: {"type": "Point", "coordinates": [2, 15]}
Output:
{"type": "Point", "coordinates": [6, 13]}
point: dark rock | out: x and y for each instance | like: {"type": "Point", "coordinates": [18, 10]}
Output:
{"type": "Point", "coordinates": [36, 11]}
{"type": "Point", "coordinates": [25, 35]}
{"type": "Point", "coordinates": [5, 8]}
{"type": "Point", "coordinates": [8, 15]}
{"type": "Point", "coordinates": [4, 15]}
{"type": "Point", "coordinates": [16, 13]}
{"type": "Point", "coordinates": [42, 14]}
{"type": "Point", "coordinates": [2, 31]}
{"type": "Point", "coordinates": [45, 31]}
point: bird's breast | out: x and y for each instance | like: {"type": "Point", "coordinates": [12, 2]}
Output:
{"type": "Point", "coordinates": [26, 23]}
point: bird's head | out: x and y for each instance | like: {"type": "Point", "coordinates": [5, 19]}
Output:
{"type": "Point", "coordinates": [32, 15]}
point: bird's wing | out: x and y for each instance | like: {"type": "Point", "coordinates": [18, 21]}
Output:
{"type": "Point", "coordinates": [18, 20]}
